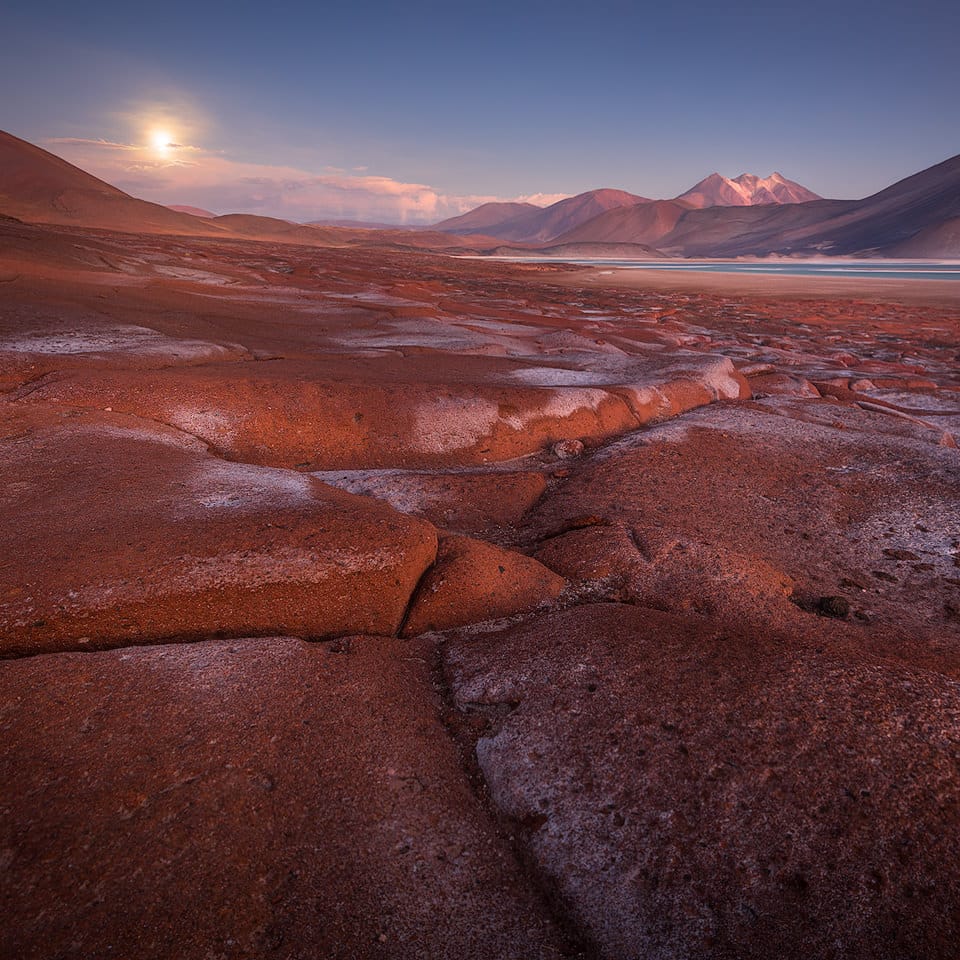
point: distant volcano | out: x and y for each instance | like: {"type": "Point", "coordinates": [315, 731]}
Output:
{"type": "Point", "coordinates": [747, 190]}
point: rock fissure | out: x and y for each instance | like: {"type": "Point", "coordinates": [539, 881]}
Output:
{"type": "Point", "coordinates": [414, 593]}
{"type": "Point", "coordinates": [698, 768]}
{"type": "Point", "coordinates": [464, 728]}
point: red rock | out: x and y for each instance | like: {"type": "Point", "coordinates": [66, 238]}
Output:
{"type": "Point", "coordinates": [751, 370]}
{"type": "Point", "coordinates": [567, 449]}
{"type": "Point", "coordinates": [727, 510]}
{"type": "Point", "coordinates": [248, 798]}
{"type": "Point", "coordinates": [699, 794]}
{"type": "Point", "coordinates": [679, 390]}
{"type": "Point", "coordinates": [487, 504]}
{"type": "Point", "coordinates": [783, 385]}
{"type": "Point", "coordinates": [473, 581]}
{"type": "Point", "coordinates": [668, 572]}
{"type": "Point", "coordinates": [118, 532]}
{"type": "Point", "coordinates": [309, 415]}
{"type": "Point", "coordinates": [318, 415]}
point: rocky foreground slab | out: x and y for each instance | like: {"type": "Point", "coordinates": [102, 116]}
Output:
{"type": "Point", "coordinates": [248, 798]}
{"type": "Point", "coordinates": [697, 793]}
{"type": "Point", "coordinates": [369, 603]}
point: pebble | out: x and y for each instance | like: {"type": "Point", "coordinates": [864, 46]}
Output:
{"type": "Point", "coordinates": [568, 449]}
{"type": "Point", "coordinates": [837, 607]}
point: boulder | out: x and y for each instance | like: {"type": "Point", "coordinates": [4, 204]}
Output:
{"type": "Point", "coordinates": [113, 532]}
{"type": "Point", "coordinates": [248, 798]}
{"type": "Point", "coordinates": [691, 793]}
{"type": "Point", "coordinates": [474, 581]}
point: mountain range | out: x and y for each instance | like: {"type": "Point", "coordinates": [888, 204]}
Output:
{"type": "Point", "coordinates": [752, 216]}
{"type": "Point", "coordinates": [526, 223]}
{"type": "Point", "coordinates": [718, 217]}
{"type": "Point", "coordinates": [561, 221]}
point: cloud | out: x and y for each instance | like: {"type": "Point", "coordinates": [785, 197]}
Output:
{"type": "Point", "coordinates": [75, 142]}
{"type": "Point", "coordinates": [190, 175]}
{"type": "Point", "coordinates": [542, 199]}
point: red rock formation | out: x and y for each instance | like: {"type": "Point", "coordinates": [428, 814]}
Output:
{"type": "Point", "coordinates": [252, 798]}
{"type": "Point", "coordinates": [732, 734]}
{"type": "Point", "coordinates": [712, 793]}
{"type": "Point", "coordinates": [473, 581]}
{"type": "Point", "coordinates": [154, 539]}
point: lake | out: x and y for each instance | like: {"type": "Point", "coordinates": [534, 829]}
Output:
{"type": "Point", "coordinates": [879, 269]}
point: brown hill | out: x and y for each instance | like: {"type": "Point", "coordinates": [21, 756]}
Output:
{"type": "Point", "coordinates": [898, 213]}
{"type": "Point", "coordinates": [193, 211]}
{"type": "Point", "coordinates": [585, 251]}
{"type": "Point", "coordinates": [559, 218]}
{"type": "Point", "coordinates": [255, 227]}
{"type": "Point", "coordinates": [413, 239]}
{"type": "Point", "coordinates": [745, 191]}
{"type": "Point", "coordinates": [38, 187]}
{"type": "Point", "coordinates": [362, 225]}
{"type": "Point", "coordinates": [939, 240]}
{"type": "Point", "coordinates": [485, 217]}
{"type": "Point", "coordinates": [753, 231]}
{"type": "Point", "coordinates": [641, 223]}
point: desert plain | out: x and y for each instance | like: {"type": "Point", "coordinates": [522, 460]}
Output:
{"type": "Point", "coordinates": [360, 601]}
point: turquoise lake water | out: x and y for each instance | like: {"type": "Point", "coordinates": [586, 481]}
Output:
{"type": "Point", "coordinates": [885, 269]}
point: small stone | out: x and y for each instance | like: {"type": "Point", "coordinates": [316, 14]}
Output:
{"type": "Point", "coordinates": [900, 554]}
{"type": "Point", "coordinates": [837, 607]}
{"type": "Point", "coordinates": [568, 449]}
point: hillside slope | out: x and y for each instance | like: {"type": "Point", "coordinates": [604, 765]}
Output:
{"type": "Point", "coordinates": [38, 187]}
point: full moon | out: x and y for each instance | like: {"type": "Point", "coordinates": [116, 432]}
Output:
{"type": "Point", "coordinates": [160, 140]}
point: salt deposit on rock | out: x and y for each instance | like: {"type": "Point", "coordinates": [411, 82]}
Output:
{"type": "Point", "coordinates": [695, 690]}
{"type": "Point", "coordinates": [691, 793]}
{"type": "Point", "coordinates": [249, 797]}
{"type": "Point", "coordinates": [155, 553]}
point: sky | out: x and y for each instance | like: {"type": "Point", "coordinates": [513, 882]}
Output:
{"type": "Point", "coordinates": [411, 112]}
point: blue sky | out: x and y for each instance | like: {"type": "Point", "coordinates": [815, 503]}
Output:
{"type": "Point", "coordinates": [419, 109]}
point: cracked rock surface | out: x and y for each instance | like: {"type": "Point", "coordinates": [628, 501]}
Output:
{"type": "Point", "coordinates": [247, 798]}
{"type": "Point", "coordinates": [364, 602]}
{"type": "Point", "coordinates": [691, 793]}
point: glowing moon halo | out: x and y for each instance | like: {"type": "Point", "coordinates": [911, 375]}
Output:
{"type": "Point", "coordinates": [160, 140]}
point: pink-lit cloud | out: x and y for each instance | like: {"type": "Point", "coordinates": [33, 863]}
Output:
{"type": "Point", "coordinates": [184, 174]}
